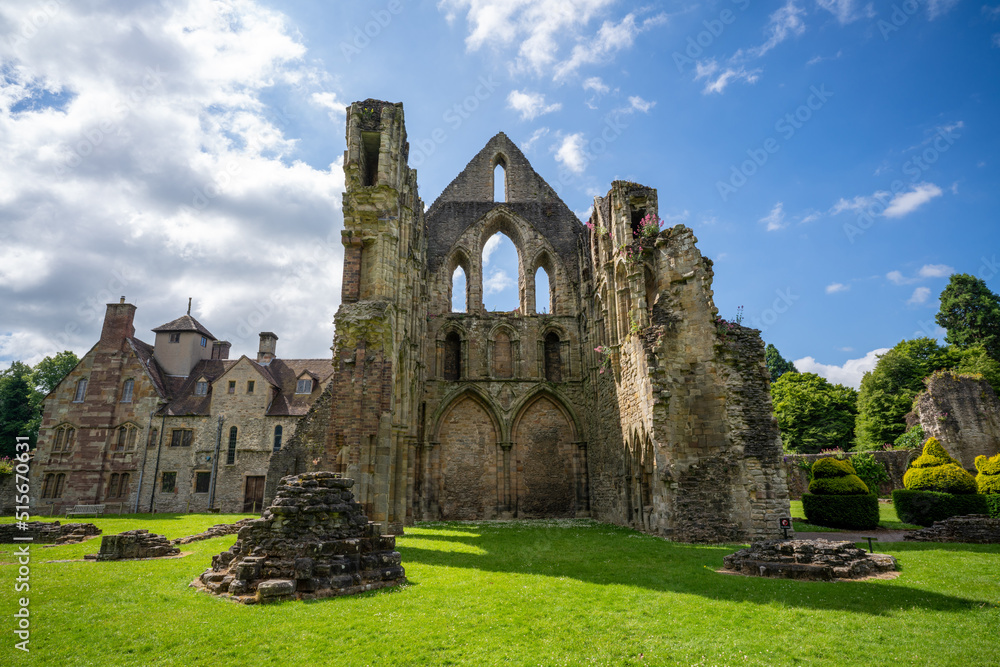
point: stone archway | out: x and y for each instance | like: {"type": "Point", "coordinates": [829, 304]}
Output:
{"type": "Point", "coordinates": [466, 461]}
{"type": "Point", "coordinates": [547, 461]}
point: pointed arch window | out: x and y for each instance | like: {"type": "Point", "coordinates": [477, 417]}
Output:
{"type": "Point", "coordinates": [553, 357]}
{"type": "Point", "coordinates": [124, 439]}
{"type": "Point", "coordinates": [452, 357]}
{"type": "Point", "coordinates": [500, 182]}
{"type": "Point", "coordinates": [503, 357]}
{"type": "Point", "coordinates": [459, 290]}
{"type": "Point", "coordinates": [543, 291]}
{"type": "Point", "coordinates": [64, 438]}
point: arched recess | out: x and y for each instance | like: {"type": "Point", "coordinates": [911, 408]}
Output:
{"type": "Point", "coordinates": [551, 475]}
{"type": "Point", "coordinates": [452, 352]}
{"type": "Point", "coordinates": [553, 357]}
{"type": "Point", "coordinates": [504, 352]}
{"type": "Point", "coordinates": [467, 461]}
{"type": "Point", "coordinates": [553, 353]}
{"type": "Point", "coordinates": [624, 301]}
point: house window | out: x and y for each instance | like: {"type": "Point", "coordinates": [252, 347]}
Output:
{"type": "Point", "coordinates": [200, 388]}
{"type": "Point", "coordinates": [277, 437]}
{"type": "Point", "coordinates": [168, 482]}
{"type": "Point", "coordinates": [181, 437]}
{"type": "Point", "coordinates": [81, 390]}
{"type": "Point", "coordinates": [154, 433]}
{"type": "Point", "coordinates": [118, 486]}
{"type": "Point", "coordinates": [204, 341]}
{"type": "Point", "coordinates": [127, 391]}
{"type": "Point", "coordinates": [304, 386]}
{"type": "Point", "coordinates": [202, 480]}
{"type": "Point", "coordinates": [249, 386]}
{"type": "Point", "coordinates": [125, 441]}
{"type": "Point", "coordinates": [232, 386]}
{"type": "Point", "coordinates": [175, 338]}
{"type": "Point", "coordinates": [231, 453]}
{"type": "Point", "coordinates": [52, 486]}
{"type": "Point", "coordinates": [64, 437]}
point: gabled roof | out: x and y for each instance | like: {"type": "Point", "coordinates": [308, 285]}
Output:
{"type": "Point", "coordinates": [144, 353]}
{"type": "Point", "coordinates": [185, 323]}
{"type": "Point", "coordinates": [287, 373]}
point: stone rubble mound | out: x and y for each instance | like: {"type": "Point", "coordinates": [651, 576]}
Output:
{"type": "Point", "coordinates": [218, 530]}
{"type": "Point", "coordinates": [822, 560]}
{"type": "Point", "coordinates": [971, 528]}
{"type": "Point", "coordinates": [49, 532]}
{"type": "Point", "coordinates": [312, 542]}
{"type": "Point", "coordinates": [134, 544]}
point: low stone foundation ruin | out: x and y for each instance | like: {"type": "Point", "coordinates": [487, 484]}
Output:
{"type": "Point", "coordinates": [49, 532]}
{"type": "Point", "coordinates": [821, 560]}
{"type": "Point", "coordinates": [972, 528]}
{"type": "Point", "coordinates": [312, 542]}
{"type": "Point", "coordinates": [218, 530]}
{"type": "Point", "coordinates": [134, 544]}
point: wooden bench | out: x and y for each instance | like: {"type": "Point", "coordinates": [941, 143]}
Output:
{"type": "Point", "coordinates": [85, 509]}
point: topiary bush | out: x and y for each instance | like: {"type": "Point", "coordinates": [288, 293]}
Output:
{"type": "Point", "coordinates": [992, 504]}
{"type": "Point", "coordinates": [925, 507]}
{"type": "Point", "coordinates": [988, 479]}
{"type": "Point", "coordinates": [838, 498]}
{"type": "Point", "coordinates": [935, 470]}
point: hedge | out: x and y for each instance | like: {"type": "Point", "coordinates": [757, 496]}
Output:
{"type": "Point", "coordinates": [856, 511]}
{"type": "Point", "coordinates": [925, 507]}
{"type": "Point", "coordinates": [993, 503]}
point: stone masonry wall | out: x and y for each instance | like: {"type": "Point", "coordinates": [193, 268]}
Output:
{"type": "Point", "coordinates": [963, 413]}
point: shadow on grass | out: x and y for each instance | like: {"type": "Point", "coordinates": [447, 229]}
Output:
{"type": "Point", "coordinates": [605, 555]}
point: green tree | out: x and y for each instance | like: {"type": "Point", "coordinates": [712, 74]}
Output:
{"type": "Point", "coordinates": [50, 371]}
{"type": "Point", "coordinates": [970, 313]}
{"type": "Point", "coordinates": [17, 413]}
{"type": "Point", "coordinates": [776, 364]}
{"type": "Point", "coordinates": [887, 391]}
{"type": "Point", "coordinates": [813, 414]}
{"type": "Point", "coordinates": [976, 360]}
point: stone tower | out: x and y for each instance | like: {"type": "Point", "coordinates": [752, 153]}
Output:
{"type": "Point", "coordinates": [628, 401]}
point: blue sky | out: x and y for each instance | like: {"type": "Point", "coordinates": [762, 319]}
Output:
{"type": "Point", "coordinates": [837, 160]}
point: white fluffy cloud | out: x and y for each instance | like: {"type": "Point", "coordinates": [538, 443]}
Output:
{"type": "Point", "coordinates": [908, 202]}
{"type": "Point", "coordinates": [846, 11]}
{"type": "Point", "coordinates": [497, 282]}
{"type": "Point", "coordinates": [141, 159]}
{"type": "Point", "coordinates": [570, 152]}
{"type": "Point", "coordinates": [920, 295]}
{"type": "Point", "coordinates": [530, 105]}
{"type": "Point", "coordinates": [936, 271]}
{"type": "Point", "coordinates": [717, 77]}
{"type": "Point", "coordinates": [849, 374]}
{"type": "Point", "coordinates": [833, 288]}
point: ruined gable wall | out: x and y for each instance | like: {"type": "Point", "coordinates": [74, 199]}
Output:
{"type": "Point", "coordinates": [962, 412]}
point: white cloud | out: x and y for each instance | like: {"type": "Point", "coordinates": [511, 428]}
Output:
{"type": "Point", "coordinates": [775, 220]}
{"type": "Point", "coordinates": [496, 282]}
{"type": "Point", "coordinates": [336, 109]}
{"type": "Point", "coordinates": [920, 295]}
{"type": "Point", "coordinates": [782, 24]}
{"type": "Point", "coordinates": [490, 247]}
{"type": "Point", "coordinates": [595, 84]}
{"type": "Point", "coordinates": [846, 349]}
{"type": "Point", "coordinates": [833, 288]}
{"type": "Point", "coordinates": [530, 105]}
{"type": "Point", "coordinates": [570, 152]}
{"type": "Point", "coordinates": [897, 278]}
{"type": "Point", "coordinates": [716, 80]}
{"type": "Point", "coordinates": [849, 374]}
{"type": "Point", "coordinates": [639, 104]}
{"type": "Point", "coordinates": [908, 202]}
{"type": "Point", "coordinates": [535, 136]}
{"type": "Point", "coordinates": [936, 271]}
{"type": "Point", "coordinates": [846, 11]}
{"type": "Point", "coordinates": [162, 166]}
{"type": "Point", "coordinates": [996, 40]}
{"type": "Point", "coordinates": [936, 8]}
{"type": "Point", "coordinates": [543, 29]}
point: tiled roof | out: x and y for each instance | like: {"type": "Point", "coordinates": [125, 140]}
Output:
{"type": "Point", "coordinates": [184, 401]}
{"type": "Point", "coordinates": [185, 323]}
{"type": "Point", "coordinates": [144, 352]}
{"type": "Point", "coordinates": [286, 372]}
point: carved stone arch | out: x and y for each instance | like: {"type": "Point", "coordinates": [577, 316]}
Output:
{"type": "Point", "coordinates": [503, 352]}
{"type": "Point", "coordinates": [466, 463]}
{"type": "Point", "coordinates": [476, 393]}
{"type": "Point", "coordinates": [500, 219]}
{"type": "Point", "coordinates": [500, 159]}
{"type": "Point", "coordinates": [452, 352]}
{"type": "Point", "coordinates": [551, 473]}
{"type": "Point", "coordinates": [553, 353]}
{"type": "Point", "coordinates": [543, 260]}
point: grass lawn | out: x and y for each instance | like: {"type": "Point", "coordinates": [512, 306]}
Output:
{"type": "Point", "coordinates": [523, 593]}
{"type": "Point", "coordinates": [886, 519]}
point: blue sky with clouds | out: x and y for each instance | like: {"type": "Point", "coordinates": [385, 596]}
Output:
{"type": "Point", "coordinates": [836, 159]}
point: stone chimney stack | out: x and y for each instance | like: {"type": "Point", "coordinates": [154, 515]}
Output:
{"type": "Point", "coordinates": [220, 349]}
{"type": "Point", "coordinates": [117, 324]}
{"type": "Point", "coordinates": [268, 345]}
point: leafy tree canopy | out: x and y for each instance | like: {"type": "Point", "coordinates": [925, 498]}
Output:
{"type": "Point", "coordinates": [776, 364]}
{"type": "Point", "coordinates": [22, 390]}
{"type": "Point", "coordinates": [970, 313]}
{"type": "Point", "coordinates": [50, 371]}
{"type": "Point", "coordinates": [813, 414]}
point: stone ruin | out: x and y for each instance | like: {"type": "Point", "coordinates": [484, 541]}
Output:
{"type": "Point", "coordinates": [972, 529]}
{"type": "Point", "coordinates": [821, 560]}
{"type": "Point", "coordinates": [962, 412]}
{"type": "Point", "coordinates": [312, 542]}
{"type": "Point", "coordinates": [218, 530]}
{"type": "Point", "coordinates": [134, 544]}
{"type": "Point", "coordinates": [49, 532]}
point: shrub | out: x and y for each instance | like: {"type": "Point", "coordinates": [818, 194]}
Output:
{"type": "Point", "coordinates": [848, 485]}
{"type": "Point", "coordinates": [988, 479]}
{"type": "Point", "coordinates": [871, 472]}
{"type": "Point", "coordinates": [992, 504]}
{"type": "Point", "coordinates": [858, 512]}
{"type": "Point", "coordinates": [826, 468]}
{"type": "Point", "coordinates": [911, 439]}
{"type": "Point", "coordinates": [935, 470]}
{"type": "Point", "coordinates": [925, 507]}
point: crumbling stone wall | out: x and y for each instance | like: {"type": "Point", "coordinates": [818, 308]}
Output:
{"type": "Point", "coordinates": [972, 529]}
{"type": "Point", "coordinates": [134, 544]}
{"type": "Point", "coordinates": [48, 532]}
{"type": "Point", "coordinates": [963, 413]}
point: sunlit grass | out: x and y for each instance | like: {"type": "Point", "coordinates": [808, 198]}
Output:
{"type": "Point", "coordinates": [540, 593]}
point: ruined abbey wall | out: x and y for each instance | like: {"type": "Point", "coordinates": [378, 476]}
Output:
{"type": "Point", "coordinates": [627, 402]}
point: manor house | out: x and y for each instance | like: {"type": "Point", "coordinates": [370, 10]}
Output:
{"type": "Point", "coordinates": [629, 401]}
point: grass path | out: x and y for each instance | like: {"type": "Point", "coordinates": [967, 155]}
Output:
{"type": "Point", "coordinates": [522, 593]}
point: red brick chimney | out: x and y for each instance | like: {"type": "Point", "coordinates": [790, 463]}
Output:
{"type": "Point", "coordinates": [117, 324]}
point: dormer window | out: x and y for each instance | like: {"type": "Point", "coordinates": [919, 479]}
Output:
{"type": "Point", "coordinates": [304, 386]}
{"type": "Point", "coordinates": [201, 388]}
{"type": "Point", "coordinates": [175, 338]}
